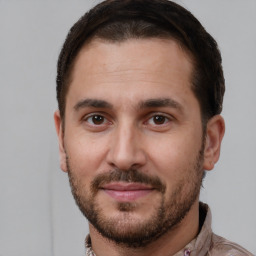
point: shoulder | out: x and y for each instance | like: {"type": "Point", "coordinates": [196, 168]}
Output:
{"type": "Point", "coordinates": [224, 247]}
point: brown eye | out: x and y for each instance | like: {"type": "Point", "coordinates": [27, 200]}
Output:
{"type": "Point", "coordinates": [159, 119]}
{"type": "Point", "coordinates": [96, 120]}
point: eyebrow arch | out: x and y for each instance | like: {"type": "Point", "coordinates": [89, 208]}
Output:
{"type": "Point", "coordinates": [95, 103]}
{"type": "Point", "coordinates": [161, 102]}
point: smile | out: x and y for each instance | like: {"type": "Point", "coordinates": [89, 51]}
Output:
{"type": "Point", "coordinates": [125, 192]}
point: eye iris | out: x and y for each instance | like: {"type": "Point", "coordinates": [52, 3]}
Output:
{"type": "Point", "coordinates": [159, 119]}
{"type": "Point", "coordinates": [97, 119]}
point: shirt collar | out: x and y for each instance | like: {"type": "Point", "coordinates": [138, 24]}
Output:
{"type": "Point", "coordinates": [88, 246]}
{"type": "Point", "coordinates": [201, 244]}
{"type": "Point", "coordinates": [197, 247]}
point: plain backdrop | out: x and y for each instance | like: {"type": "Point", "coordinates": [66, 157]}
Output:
{"type": "Point", "coordinates": [38, 216]}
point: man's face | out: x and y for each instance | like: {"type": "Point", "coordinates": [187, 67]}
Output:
{"type": "Point", "coordinates": [133, 141]}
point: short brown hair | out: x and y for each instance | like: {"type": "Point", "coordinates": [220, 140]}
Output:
{"type": "Point", "coordinates": [119, 20]}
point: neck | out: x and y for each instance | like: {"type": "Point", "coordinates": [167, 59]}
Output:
{"type": "Point", "coordinates": [168, 244]}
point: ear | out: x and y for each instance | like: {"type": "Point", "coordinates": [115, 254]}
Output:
{"type": "Point", "coordinates": [59, 130]}
{"type": "Point", "coordinates": [214, 133]}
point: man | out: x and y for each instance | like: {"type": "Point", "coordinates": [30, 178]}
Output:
{"type": "Point", "coordinates": [140, 89]}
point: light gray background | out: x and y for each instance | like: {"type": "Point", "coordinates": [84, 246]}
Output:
{"type": "Point", "coordinates": [37, 214]}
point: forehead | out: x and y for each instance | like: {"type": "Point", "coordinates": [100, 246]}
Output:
{"type": "Point", "coordinates": [136, 52]}
{"type": "Point", "coordinates": [133, 68]}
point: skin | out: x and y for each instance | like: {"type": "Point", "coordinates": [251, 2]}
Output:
{"type": "Point", "coordinates": [128, 134]}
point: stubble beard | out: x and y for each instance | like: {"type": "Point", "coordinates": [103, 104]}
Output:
{"type": "Point", "coordinates": [126, 231]}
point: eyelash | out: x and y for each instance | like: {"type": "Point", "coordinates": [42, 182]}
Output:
{"type": "Point", "coordinates": [162, 119]}
{"type": "Point", "coordinates": [93, 116]}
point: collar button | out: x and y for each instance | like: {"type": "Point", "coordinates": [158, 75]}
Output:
{"type": "Point", "coordinates": [187, 252]}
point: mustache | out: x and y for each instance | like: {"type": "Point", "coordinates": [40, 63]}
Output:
{"type": "Point", "coordinates": [130, 175]}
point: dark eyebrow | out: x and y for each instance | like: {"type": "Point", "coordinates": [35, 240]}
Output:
{"type": "Point", "coordinates": [161, 102]}
{"type": "Point", "coordinates": [95, 103]}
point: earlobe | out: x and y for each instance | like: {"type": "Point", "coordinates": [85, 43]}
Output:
{"type": "Point", "coordinates": [214, 134]}
{"type": "Point", "coordinates": [59, 130]}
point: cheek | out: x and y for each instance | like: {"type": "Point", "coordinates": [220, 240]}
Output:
{"type": "Point", "coordinates": [85, 153]}
{"type": "Point", "coordinates": [174, 156]}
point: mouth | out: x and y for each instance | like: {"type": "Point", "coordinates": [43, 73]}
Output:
{"type": "Point", "coordinates": [126, 192]}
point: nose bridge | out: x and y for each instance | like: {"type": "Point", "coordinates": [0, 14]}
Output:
{"type": "Point", "coordinates": [126, 151]}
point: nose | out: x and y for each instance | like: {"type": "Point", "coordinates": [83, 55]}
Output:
{"type": "Point", "coordinates": [126, 148]}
